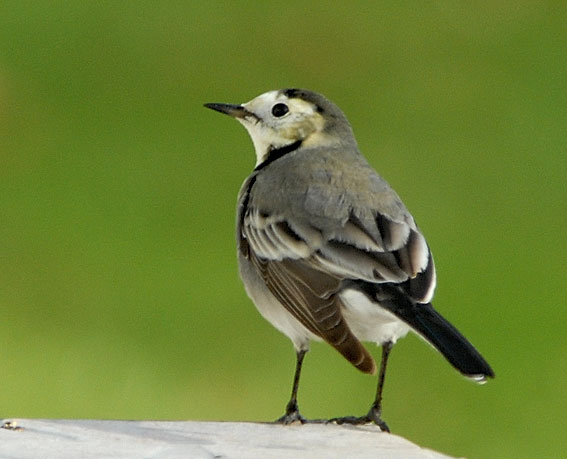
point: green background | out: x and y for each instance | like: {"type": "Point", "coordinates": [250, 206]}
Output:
{"type": "Point", "coordinates": [119, 293]}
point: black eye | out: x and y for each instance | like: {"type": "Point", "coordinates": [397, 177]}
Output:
{"type": "Point", "coordinates": [279, 110]}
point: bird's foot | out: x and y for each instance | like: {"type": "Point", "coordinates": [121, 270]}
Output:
{"type": "Point", "coordinates": [290, 418]}
{"type": "Point", "coordinates": [295, 416]}
{"type": "Point", "coordinates": [372, 417]}
{"type": "Point", "coordinates": [292, 415]}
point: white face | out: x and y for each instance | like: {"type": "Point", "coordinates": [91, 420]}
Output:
{"type": "Point", "coordinates": [279, 121]}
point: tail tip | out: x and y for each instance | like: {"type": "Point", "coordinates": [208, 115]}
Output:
{"type": "Point", "coordinates": [481, 378]}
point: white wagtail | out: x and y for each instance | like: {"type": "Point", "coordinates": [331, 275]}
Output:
{"type": "Point", "coordinates": [327, 250]}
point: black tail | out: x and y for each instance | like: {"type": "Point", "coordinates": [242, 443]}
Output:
{"type": "Point", "coordinates": [435, 329]}
{"type": "Point", "coordinates": [448, 340]}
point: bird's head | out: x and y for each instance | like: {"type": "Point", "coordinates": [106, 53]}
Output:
{"type": "Point", "coordinates": [277, 119]}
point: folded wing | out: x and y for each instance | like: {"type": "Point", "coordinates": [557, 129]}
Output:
{"type": "Point", "coordinates": [305, 268]}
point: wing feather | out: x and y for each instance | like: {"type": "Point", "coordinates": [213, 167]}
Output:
{"type": "Point", "coordinates": [304, 267]}
{"type": "Point", "coordinates": [379, 250]}
{"type": "Point", "coordinates": [320, 314]}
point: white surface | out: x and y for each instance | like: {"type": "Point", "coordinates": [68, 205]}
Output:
{"type": "Point", "coordinates": [56, 439]}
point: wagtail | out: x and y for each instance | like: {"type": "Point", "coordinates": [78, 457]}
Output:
{"type": "Point", "coordinates": [326, 248]}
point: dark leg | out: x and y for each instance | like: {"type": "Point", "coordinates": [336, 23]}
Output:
{"type": "Point", "coordinates": [375, 413]}
{"type": "Point", "coordinates": [292, 410]}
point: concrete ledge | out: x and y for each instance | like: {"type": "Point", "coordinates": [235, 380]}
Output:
{"type": "Point", "coordinates": [57, 439]}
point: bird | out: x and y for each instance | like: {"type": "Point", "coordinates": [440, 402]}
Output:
{"type": "Point", "coordinates": [327, 251]}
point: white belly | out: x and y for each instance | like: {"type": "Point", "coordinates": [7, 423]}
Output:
{"type": "Point", "coordinates": [271, 309]}
{"type": "Point", "coordinates": [367, 320]}
{"type": "Point", "coordinates": [370, 322]}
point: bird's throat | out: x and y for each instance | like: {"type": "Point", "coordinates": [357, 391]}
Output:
{"type": "Point", "coordinates": [274, 154]}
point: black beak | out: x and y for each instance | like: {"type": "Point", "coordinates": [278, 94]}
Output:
{"type": "Point", "coordinates": [236, 111]}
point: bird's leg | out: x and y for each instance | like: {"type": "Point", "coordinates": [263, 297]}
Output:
{"type": "Point", "coordinates": [292, 410]}
{"type": "Point", "coordinates": [375, 413]}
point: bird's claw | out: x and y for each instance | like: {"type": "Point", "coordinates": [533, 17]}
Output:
{"type": "Point", "coordinates": [373, 417]}
{"type": "Point", "coordinates": [291, 417]}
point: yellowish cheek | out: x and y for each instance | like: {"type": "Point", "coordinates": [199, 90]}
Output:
{"type": "Point", "coordinates": [309, 130]}
{"type": "Point", "coordinates": [317, 138]}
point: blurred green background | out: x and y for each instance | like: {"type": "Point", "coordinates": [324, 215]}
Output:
{"type": "Point", "coordinates": [119, 293]}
